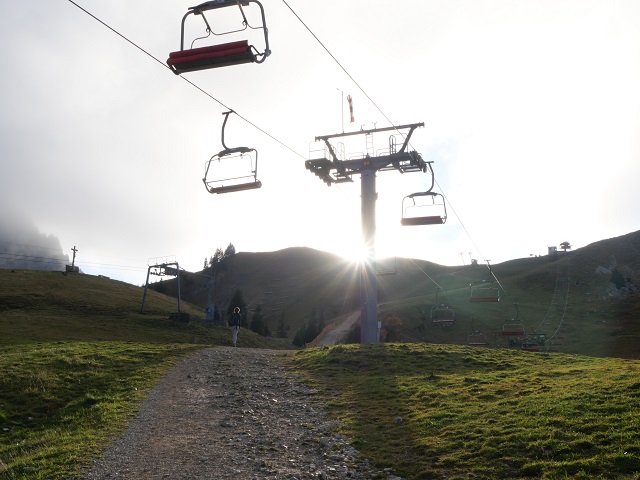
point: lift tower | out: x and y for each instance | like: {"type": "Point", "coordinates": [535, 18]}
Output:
{"type": "Point", "coordinates": [332, 168]}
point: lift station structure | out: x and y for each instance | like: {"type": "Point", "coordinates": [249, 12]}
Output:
{"type": "Point", "coordinates": [332, 167]}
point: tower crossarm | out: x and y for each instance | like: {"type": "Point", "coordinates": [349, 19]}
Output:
{"type": "Point", "coordinates": [410, 126]}
{"type": "Point", "coordinates": [334, 170]}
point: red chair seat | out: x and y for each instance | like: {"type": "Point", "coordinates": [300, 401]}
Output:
{"type": "Point", "coordinates": [210, 57]}
{"type": "Point", "coordinates": [515, 333]}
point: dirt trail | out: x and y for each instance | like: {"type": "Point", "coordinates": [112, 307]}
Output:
{"type": "Point", "coordinates": [232, 413]}
{"type": "Point", "coordinates": [340, 332]}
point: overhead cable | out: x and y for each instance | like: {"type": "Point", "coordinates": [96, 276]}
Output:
{"type": "Point", "coordinates": [187, 80]}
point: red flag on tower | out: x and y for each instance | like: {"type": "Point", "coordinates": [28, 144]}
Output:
{"type": "Point", "coordinates": [350, 100]}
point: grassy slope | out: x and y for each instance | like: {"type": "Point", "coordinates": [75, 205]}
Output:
{"type": "Point", "coordinates": [595, 322]}
{"type": "Point", "coordinates": [458, 412]}
{"type": "Point", "coordinates": [42, 306]}
{"type": "Point", "coordinates": [297, 280]}
{"type": "Point", "coordinates": [76, 358]}
{"type": "Point", "coordinates": [77, 355]}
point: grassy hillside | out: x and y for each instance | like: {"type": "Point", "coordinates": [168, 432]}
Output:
{"type": "Point", "coordinates": [290, 282]}
{"type": "Point", "coordinates": [458, 412]}
{"type": "Point", "coordinates": [38, 306]}
{"type": "Point", "coordinates": [76, 358]}
{"type": "Point", "coordinates": [571, 298]}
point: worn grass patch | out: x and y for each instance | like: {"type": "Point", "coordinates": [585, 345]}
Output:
{"type": "Point", "coordinates": [432, 411]}
{"type": "Point", "coordinates": [60, 402]}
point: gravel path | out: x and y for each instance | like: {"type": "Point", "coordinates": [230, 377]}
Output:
{"type": "Point", "coordinates": [340, 332]}
{"type": "Point", "coordinates": [232, 413]}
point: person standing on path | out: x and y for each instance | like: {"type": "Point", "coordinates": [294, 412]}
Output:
{"type": "Point", "coordinates": [234, 324]}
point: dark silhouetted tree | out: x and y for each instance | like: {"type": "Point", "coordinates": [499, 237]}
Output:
{"type": "Point", "coordinates": [283, 328]}
{"type": "Point", "coordinates": [258, 324]}
{"type": "Point", "coordinates": [310, 330]}
{"type": "Point", "coordinates": [565, 246]}
{"type": "Point", "coordinates": [230, 251]}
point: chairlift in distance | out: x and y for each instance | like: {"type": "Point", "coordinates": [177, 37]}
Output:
{"type": "Point", "coordinates": [232, 169]}
{"type": "Point", "coordinates": [424, 208]}
{"type": "Point", "coordinates": [220, 55]}
{"type": "Point", "coordinates": [442, 313]}
{"type": "Point", "coordinates": [476, 338]}
{"type": "Point", "coordinates": [389, 266]}
{"type": "Point", "coordinates": [484, 290]}
{"type": "Point", "coordinates": [513, 327]}
{"type": "Point", "coordinates": [533, 343]}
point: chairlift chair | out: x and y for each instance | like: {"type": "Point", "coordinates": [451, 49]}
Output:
{"type": "Point", "coordinates": [513, 327]}
{"type": "Point", "coordinates": [476, 338]}
{"type": "Point", "coordinates": [533, 343]}
{"type": "Point", "coordinates": [424, 208]}
{"type": "Point", "coordinates": [388, 267]}
{"type": "Point", "coordinates": [429, 209]}
{"type": "Point", "coordinates": [232, 169]}
{"type": "Point", "coordinates": [221, 55]}
{"type": "Point", "coordinates": [442, 313]}
{"type": "Point", "coordinates": [484, 290]}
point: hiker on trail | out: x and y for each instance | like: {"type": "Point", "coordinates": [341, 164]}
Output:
{"type": "Point", "coordinates": [234, 324]}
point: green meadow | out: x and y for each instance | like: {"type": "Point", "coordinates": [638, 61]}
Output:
{"type": "Point", "coordinates": [77, 357]}
{"type": "Point", "coordinates": [459, 412]}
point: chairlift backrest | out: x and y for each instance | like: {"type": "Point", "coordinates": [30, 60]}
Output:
{"type": "Point", "coordinates": [221, 55]}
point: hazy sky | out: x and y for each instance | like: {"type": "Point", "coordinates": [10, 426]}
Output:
{"type": "Point", "coordinates": [531, 112]}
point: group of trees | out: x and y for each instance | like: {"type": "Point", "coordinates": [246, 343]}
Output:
{"type": "Point", "coordinates": [258, 322]}
{"type": "Point", "coordinates": [311, 329]}
{"type": "Point", "coordinates": [219, 256]}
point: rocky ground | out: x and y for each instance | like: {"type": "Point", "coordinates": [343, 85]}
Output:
{"type": "Point", "coordinates": [232, 413]}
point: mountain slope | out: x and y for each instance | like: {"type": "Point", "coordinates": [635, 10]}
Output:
{"type": "Point", "coordinates": [570, 297]}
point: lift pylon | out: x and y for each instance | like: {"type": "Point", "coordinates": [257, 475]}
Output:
{"type": "Point", "coordinates": [331, 167]}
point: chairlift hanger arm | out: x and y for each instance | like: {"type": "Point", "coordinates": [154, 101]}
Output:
{"type": "Point", "coordinates": [224, 124]}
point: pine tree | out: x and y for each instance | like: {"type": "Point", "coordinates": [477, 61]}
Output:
{"type": "Point", "coordinates": [297, 338]}
{"type": "Point", "coordinates": [230, 251]}
{"type": "Point", "coordinates": [283, 328]}
{"type": "Point", "coordinates": [258, 324]}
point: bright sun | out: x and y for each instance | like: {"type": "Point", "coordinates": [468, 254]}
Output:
{"type": "Point", "coordinates": [356, 253]}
